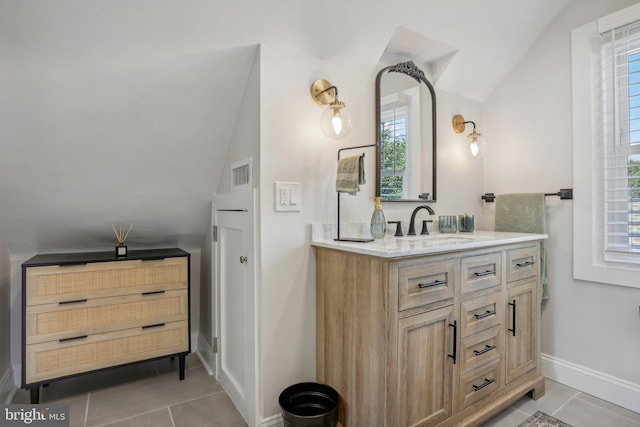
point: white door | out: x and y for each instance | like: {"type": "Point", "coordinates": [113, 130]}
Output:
{"type": "Point", "coordinates": [236, 357]}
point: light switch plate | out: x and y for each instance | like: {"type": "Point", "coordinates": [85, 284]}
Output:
{"type": "Point", "coordinates": [288, 197]}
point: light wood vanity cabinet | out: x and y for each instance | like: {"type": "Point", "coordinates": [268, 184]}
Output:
{"type": "Point", "coordinates": [429, 340]}
{"type": "Point", "coordinates": [90, 311]}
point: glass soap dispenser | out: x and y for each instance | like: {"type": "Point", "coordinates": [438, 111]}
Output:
{"type": "Point", "coordinates": [378, 223]}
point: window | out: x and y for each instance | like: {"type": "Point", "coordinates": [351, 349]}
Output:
{"type": "Point", "coordinates": [606, 148]}
{"type": "Point", "coordinates": [393, 149]}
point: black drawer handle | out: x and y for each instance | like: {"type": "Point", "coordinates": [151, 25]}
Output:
{"type": "Point", "coordinates": [157, 325]}
{"type": "Point", "coordinates": [153, 293]}
{"type": "Point", "coordinates": [428, 285]}
{"type": "Point", "coordinates": [76, 301]}
{"type": "Point", "coordinates": [485, 273]}
{"type": "Point", "coordinates": [487, 349]}
{"type": "Point", "coordinates": [485, 314]}
{"type": "Point", "coordinates": [525, 264]}
{"type": "Point", "coordinates": [81, 337]}
{"type": "Point", "coordinates": [486, 383]}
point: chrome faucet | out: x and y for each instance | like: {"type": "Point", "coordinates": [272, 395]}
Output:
{"type": "Point", "coordinates": [412, 225]}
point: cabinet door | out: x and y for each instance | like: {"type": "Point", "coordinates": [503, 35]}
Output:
{"type": "Point", "coordinates": [425, 368]}
{"type": "Point", "coordinates": [520, 341]}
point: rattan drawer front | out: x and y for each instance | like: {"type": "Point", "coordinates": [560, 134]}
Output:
{"type": "Point", "coordinates": [425, 283]}
{"type": "Point", "coordinates": [480, 349]}
{"type": "Point", "coordinates": [481, 313]}
{"type": "Point", "coordinates": [522, 263]}
{"type": "Point", "coordinates": [49, 322]}
{"type": "Point", "coordinates": [58, 359]}
{"type": "Point", "coordinates": [51, 284]}
{"type": "Point", "coordinates": [478, 384]}
{"type": "Point", "coordinates": [481, 272]}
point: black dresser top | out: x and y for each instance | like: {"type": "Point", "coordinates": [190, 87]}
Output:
{"type": "Point", "coordinates": [87, 257]}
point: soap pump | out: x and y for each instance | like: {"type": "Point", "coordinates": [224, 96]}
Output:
{"type": "Point", "coordinates": [378, 223]}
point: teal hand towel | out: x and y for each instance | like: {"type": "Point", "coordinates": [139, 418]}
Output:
{"type": "Point", "coordinates": [525, 213]}
{"type": "Point", "coordinates": [350, 174]}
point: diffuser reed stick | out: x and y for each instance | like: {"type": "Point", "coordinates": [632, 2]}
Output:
{"type": "Point", "coordinates": [120, 233]}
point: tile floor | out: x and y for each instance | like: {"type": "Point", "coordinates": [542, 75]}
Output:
{"type": "Point", "coordinates": [150, 395]}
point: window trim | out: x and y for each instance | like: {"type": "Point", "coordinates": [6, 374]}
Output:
{"type": "Point", "coordinates": [588, 243]}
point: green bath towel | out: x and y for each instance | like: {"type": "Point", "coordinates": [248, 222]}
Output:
{"type": "Point", "coordinates": [350, 174]}
{"type": "Point", "coordinates": [525, 213]}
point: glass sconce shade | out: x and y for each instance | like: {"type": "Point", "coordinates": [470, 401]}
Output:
{"type": "Point", "coordinates": [336, 121]}
{"type": "Point", "coordinates": [477, 145]}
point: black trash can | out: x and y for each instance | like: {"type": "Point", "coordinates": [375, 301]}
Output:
{"type": "Point", "coordinates": [309, 405]}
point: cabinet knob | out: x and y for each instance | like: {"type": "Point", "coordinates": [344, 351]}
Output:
{"type": "Point", "coordinates": [243, 259]}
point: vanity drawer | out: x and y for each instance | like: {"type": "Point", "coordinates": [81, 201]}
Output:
{"type": "Point", "coordinates": [54, 284]}
{"type": "Point", "coordinates": [481, 272]}
{"type": "Point", "coordinates": [522, 263]}
{"type": "Point", "coordinates": [421, 283]}
{"type": "Point", "coordinates": [480, 349]}
{"type": "Point", "coordinates": [47, 322]}
{"type": "Point", "coordinates": [478, 384]}
{"type": "Point", "coordinates": [55, 359]}
{"type": "Point", "coordinates": [481, 313]}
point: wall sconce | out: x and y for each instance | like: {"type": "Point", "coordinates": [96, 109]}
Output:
{"type": "Point", "coordinates": [336, 119]}
{"type": "Point", "coordinates": [477, 142]}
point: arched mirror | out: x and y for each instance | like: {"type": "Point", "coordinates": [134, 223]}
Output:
{"type": "Point", "coordinates": [405, 134]}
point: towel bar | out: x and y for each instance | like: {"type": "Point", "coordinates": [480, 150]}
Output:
{"type": "Point", "coordinates": [339, 237]}
{"type": "Point", "coordinates": [564, 194]}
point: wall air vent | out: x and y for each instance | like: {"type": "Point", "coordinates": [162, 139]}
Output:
{"type": "Point", "coordinates": [241, 175]}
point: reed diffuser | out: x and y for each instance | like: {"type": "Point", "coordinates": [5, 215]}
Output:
{"type": "Point", "coordinates": [121, 232]}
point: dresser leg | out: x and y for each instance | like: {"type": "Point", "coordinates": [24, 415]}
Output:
{"type": "Point", "coordinates": [35, 395]}
{"type": "Point", "coordinates": [181, 363]}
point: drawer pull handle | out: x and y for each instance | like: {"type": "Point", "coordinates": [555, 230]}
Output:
{"type": "Point", "coordinates": [428, 285]}
{"type": "Point", "coordinates": [157, 325]}
{"type": "Point", "coordinates": [484, 273]}
{"type": "Point", "coordinates": [454, 325]}
{"type": "Point", "coordinates": [513, 314]}
{"type": "Point", "coordinates": [81, 337]}
{"type": "Point", "coordinates": [525, 264]}
{"type": "Point", "coordinates": [153, 293]}
{"type": "Point", "coordinates": [485, 314]}
{"type": "Point", "coordinates": [487, 349]}
{"type": "Point", "coordinates": [486, 383]}
{"type": "Point", "coordinates": [76, 301]}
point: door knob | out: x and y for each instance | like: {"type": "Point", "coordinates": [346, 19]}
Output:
{"type": "Point", "coordinates": [243, 259]}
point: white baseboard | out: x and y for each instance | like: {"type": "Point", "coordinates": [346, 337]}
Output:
{"type": "Point", "coordinates": [272, 421]}
{"type": "Point", "coordinates": [615, 390]}
{"type": "Point", "coordinates": [206, 355]}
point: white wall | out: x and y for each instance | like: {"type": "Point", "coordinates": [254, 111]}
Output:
{"type": "Point", "coordinates": [292, 148]}
{"type": "Point", "coordinates": [528, 127]}
{"type": "Point", "coordinates": [6, 372]}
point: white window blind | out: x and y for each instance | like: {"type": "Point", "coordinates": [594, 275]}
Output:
{"type": "Point", "coordinates": [620, 60]}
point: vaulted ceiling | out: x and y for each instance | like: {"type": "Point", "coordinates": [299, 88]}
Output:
{"type": "Point", "coordinates": [122, 110]}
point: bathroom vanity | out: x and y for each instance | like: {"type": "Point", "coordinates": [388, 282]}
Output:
{"type": "Point", "coordinates": [435, 330]}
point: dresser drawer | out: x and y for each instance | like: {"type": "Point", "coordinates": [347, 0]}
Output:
{"type": "Point", "coordinates": [481, 272]}
{"type": "Point", "coordinates": [522, 263]}
{"type": "Point", "coordinates": [425, 283]}
{"type": "Point", "coordinates": [481, 349]}
{"type": "Point", "coordinates": [481, 313]}
{"type": "Point", "coordinates": [57, 359]}
{"type": "Point", "coordinates": [478, 384]}
{"type": "Point", "coordinates": [54, 284]}
{"type": "Point", "coordinates": [48, 322]}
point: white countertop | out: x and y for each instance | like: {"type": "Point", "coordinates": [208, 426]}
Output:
{"type": "Point", "coordinates": [392, 247]}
